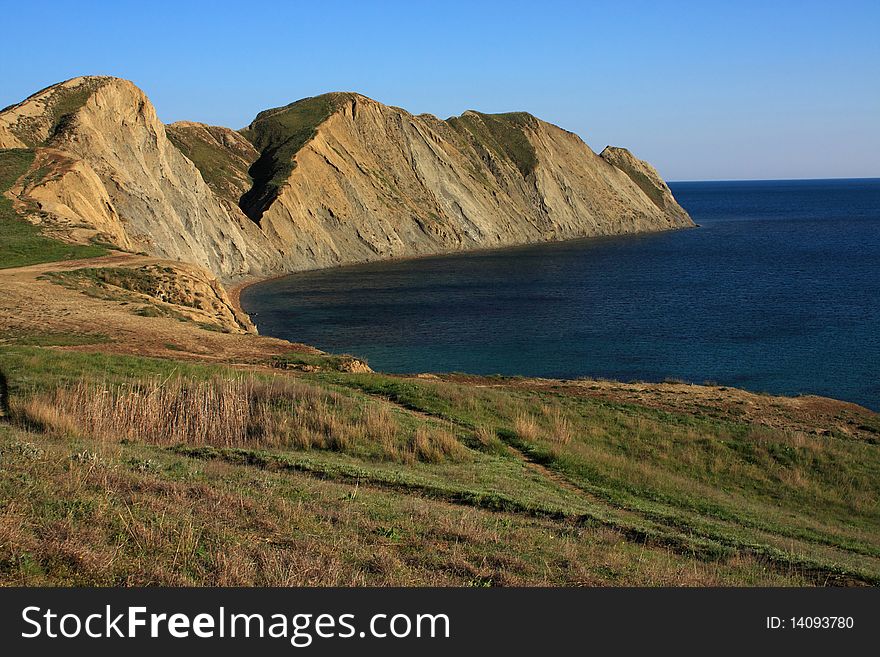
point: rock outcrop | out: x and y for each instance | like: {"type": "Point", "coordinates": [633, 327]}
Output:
{"type": "Point", "coordinates": [646, 177]}
{"type": "Point", "coordinates": [160, 288]}
{"type": "Point", "coordinates": [329, 180]}
{"type": "Point", "coordinates": [191, 291]}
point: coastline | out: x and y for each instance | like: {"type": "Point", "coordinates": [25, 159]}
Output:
{"type": "Point", "coordinates": [235, 288]}
{"type": "Point", "coordinates": [683, 247]}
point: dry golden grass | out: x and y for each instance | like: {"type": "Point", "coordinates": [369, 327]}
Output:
{"type": "Point", "coordinates": [219, 412]}
{"type": "Point", "coordinates": [526, 427]}
{"type": "Point", "coordinates": [560, 427]}
{"type": "Point", "coordinates": [42, 414]}
{"type": "Point", "coordinates": [434, 445]}
{"type": "Point", "coordinates": [381, 428]}
{"type": "Point", "coordinates": [236, 412]}
{"type": "Point", "coordinates": [485, 435]}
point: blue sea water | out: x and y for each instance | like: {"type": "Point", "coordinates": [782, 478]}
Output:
{"type": "Point", "coordinates": [777, 291]}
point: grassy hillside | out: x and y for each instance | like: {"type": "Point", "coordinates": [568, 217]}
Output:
{"type": "Point", "coordinates": [140, 448]}
{"type": "Point", "coordinates": [222, 161]}
{"type": "Point", "coordinates": [221, 474]}
{"type": "Point", "coordinates": [61, 103]}
{"type": "Point", "coordinates": [502, 134]}
{"type": "Point", "coordinates": [279, 134]}
{"type": "Point", "coordinates": [22, 243]}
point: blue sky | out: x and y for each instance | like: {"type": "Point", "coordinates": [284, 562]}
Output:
{"type": "Point", "coordinates": [704, 90]}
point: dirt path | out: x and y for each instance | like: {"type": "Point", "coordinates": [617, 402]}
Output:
{"type": "Point", "coordinates": [115, 259]}
{"type": "Point", "coordinates": [551, 475]}
{"type": "Point", "coordinates": [527, 462]}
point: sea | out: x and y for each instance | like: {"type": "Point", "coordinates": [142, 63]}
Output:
{"type": "Point", "coordinates": [776, 291]}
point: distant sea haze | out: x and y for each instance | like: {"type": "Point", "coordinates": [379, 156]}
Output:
{"type": "Point", "coordinates": [778, 291]}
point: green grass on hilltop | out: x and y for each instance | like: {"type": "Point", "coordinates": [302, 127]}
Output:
{"type": "Point", "coordinates": [279, 134]}
{"type": "Point", "coordinates": [22, 243]}
{"type": "Point", "coordinates": [503, 134]}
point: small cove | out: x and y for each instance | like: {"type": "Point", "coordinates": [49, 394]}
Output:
{"type": "Point", "coordinates": [778, 291]}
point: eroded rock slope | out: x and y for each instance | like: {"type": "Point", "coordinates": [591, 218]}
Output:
{"type": "Point", "coordinates": [329, 180]}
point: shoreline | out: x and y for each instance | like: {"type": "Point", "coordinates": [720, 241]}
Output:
{"type": "Point", "coordinates": [473, 258]}
{"type": "Point", "coordinates": [234, 292]}
{"type": "Point", "coordinates": [234, 289]}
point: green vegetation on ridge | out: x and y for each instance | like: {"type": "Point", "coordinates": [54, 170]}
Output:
{"type": "Point", "coordinates": [502, 134]}
{"type": "Point", "coordinates": [61, 103]}
{"type": "Point", "coordinates": [278, 135]}
{"type": "Point", "coordinates": [618, 157]}
{"type": "Point", "coordinates": [223, 165]}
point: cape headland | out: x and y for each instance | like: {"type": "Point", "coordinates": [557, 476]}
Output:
{"type": "Point", "coordinates": [329, 180]}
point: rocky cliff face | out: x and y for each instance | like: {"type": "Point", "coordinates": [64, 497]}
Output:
{"type": "Point", "coordinates": [371, 181]}
{"type": "Point", "coordinates": [647, 179]}
{"type": "Point", "coordinates": [324, 181]}
{"type": "Point", "coordinates": [104, 160]}
{"type": "Point", "coordinates": [223, 156]}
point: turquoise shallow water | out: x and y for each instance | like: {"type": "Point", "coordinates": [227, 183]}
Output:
{"type": "Point", "coordinates": [778, 291]}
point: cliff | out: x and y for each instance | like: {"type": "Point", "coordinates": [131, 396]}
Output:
{"type": "Point", "coordinates": [343, 178]}
{"type": "Point", "coordinates": [104, 161]}
{"type": "Point", "coordinates": [324, 181]}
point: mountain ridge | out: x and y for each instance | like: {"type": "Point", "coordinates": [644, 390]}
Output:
{"type": "Point", "coordinates": [327, 180]}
